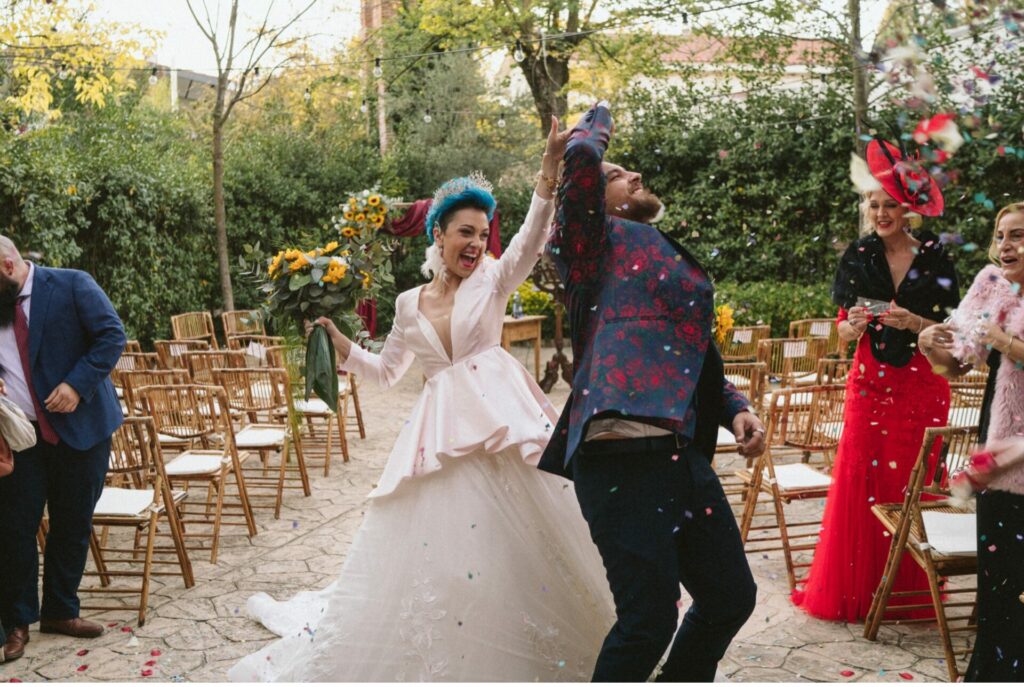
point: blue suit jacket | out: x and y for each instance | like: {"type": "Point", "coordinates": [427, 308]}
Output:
{"type": "Point", "coordinates": [75, 336]}
{"type": "Point", "coordinates": [640, 309]}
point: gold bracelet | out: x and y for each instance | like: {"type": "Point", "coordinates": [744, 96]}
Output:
{"type": "Point", "coordinates": [551, 183]}
{"type": "Point", "coordinates": [1009, 344]}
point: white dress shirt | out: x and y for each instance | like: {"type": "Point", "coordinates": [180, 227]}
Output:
{"type": "Point", "coordinates": [10, 360]}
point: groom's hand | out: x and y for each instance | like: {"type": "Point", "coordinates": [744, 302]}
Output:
{"type": "Point", "coordinates": [749, 434]}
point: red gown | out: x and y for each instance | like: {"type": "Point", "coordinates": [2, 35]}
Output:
{"type": "Point", "coordinates": [887, 410]}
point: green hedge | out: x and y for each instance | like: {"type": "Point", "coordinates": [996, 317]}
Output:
{"type": "Point", "coordinates": [775, 303]}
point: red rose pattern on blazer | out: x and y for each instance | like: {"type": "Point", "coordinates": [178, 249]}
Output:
{"type": "Point", "coordinates": [639, 306]}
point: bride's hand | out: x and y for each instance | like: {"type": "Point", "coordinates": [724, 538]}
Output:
{"type": "Point", "coordinates": [554, 151]}
{"type": "Point", "coordinates": [326, 323]}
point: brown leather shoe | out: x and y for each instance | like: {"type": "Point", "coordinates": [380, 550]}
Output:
{"type": "Point", "coordinates": [14, 647]}
{"type": "Point", "coordinates": [75, 627]}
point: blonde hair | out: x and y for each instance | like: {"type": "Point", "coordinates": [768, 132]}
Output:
{"type": "Point", "coordinates": [993, 247]}
{"type": "Point", "coordinates": [914, 220]}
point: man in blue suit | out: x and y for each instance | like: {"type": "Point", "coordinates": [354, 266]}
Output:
{"type": "Point", "coordinates": [59, 339]}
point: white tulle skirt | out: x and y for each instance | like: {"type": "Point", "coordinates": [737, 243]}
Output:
{"type": "Point", "coordinates": [483, 570]}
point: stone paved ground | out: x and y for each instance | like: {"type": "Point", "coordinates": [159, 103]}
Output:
{"type": "Point", "coordinates": [197, 634]}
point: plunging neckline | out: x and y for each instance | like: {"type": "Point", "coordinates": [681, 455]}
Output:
{"type": "Point", "coordinates": [431, 331]}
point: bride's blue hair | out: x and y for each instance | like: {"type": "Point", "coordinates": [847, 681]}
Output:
{"type": "Point", "coordinates": [472, 191]}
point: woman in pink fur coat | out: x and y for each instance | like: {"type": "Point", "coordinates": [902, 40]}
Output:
{"type": "Point", "coordinates": [989, 325]}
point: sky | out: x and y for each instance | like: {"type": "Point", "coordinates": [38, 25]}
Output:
{"type": "Point", "coordinates": [329, 24]}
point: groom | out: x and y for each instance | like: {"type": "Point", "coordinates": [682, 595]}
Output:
{"type": "Point", "coordinates": [639, 429]}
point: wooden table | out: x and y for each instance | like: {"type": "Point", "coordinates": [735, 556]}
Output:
{"type": "Point", "coordinates": [526, 328]}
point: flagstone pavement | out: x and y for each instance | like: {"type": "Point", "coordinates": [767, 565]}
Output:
{"type": "Point", "coordinates": [197, 634]}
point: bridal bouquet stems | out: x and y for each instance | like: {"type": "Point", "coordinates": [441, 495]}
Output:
{"type": "Point", "coordinates": [331, 281]}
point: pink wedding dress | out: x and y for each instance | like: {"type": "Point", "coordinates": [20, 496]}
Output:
{"type": "Point", "coordinates": [470, 564]}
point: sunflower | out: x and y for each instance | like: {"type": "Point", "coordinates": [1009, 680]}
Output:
{"type": "Point", "coordinates": [373, 201]}
{"type": "Point", "coordinates": [348, 232]}
{"type": "Point", "coordinates": [349, 215]}
{"type": "Point", "coordinates": [361, 217]}
{"type": "Point", "coordinates": [275, 265]}
{"type": "Point", "coordinates": [330, 246]}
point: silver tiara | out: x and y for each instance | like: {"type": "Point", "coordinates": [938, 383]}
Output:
{"type": "Point", "coordinates": [460, 184]}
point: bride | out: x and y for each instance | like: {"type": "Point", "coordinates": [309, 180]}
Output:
{"type": "Point", "coordinates": [470, 564]}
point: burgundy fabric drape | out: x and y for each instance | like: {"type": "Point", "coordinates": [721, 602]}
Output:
{"type": "Point", "coordinates": [411, 224]}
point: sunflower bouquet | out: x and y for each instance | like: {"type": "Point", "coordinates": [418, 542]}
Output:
{"type": "Point", "coordinates": [724, 322]}
{"type": "Point", "coordinates": [331, 281]}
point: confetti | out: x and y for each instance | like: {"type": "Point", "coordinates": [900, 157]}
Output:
{"type": "Point", "coordinates": [846, 673]}
{"type": "Point", "coordinates": [82, 668]}
{"type": "Point", "coordinates": [147, 672]}
{"type": "Point", "coordinates": [613, 490]}
{"type": "Point", "coordinates": [152, 663]}
{"type": "Point", "coordinates": [154, 652]}
{"type": "Point", "coordinates": [82, 652]}
{"type": "Point", "coordinates": [906, 676]}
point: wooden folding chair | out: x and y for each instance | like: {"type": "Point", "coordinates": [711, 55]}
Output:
{"type": "Point", "coordinates": [741, 342]}
{"type": "Point", "coordinates": [833, 370]}
{"type": "Point", "coordinates": [254, 347]}
{"type": "Point", "coordinates": [242, 322]}
{"type": "Point", "coordinates": [819, 328]}
{"type": "Point", "coordinates": [805, 420]}
{"type": "Point", "coordinates": [132, 346]}
{"type": "Point", "coordinates": [202, 364]}
{"type": "Point", "coordinates": [197, 414]}
{"type": "Point", "coordinates": [750, 380]}
{"type": "Point", "coordinates": [140, 500]}
{"type": "Point", "coordinates": [313, 411]}
{"type": "Point", "coordinates": [965, 403]}
{"type": "Point", "coordinates": [194, 326]}
{"type": "Point", "coordinates": [349, 385]}
{"type": "Point", "coordinates": [133, 380]}
{"type": "Point", "coordinates": [172, 352]}
{"type": "Point", "coordinates": [939, 536]}
{"type": "Point", "coordinates": [129, 362]}
{"type": "Point", "coordinates": [791, 362]}
{"type": "Point", "coordinates": [263, 397]}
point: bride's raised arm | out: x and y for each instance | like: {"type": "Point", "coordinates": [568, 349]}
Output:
{"type": "Point", "coordinates": [527, 245]}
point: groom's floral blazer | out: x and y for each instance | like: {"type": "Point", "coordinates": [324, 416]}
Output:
{"type": "Point", "coordinates": [640, 309]}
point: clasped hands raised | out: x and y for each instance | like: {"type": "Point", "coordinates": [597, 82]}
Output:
{"type": "Point", "coordinates": [896, 317]}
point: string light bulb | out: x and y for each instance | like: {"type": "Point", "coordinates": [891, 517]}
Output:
{"type": "Point", "coordinates": [501, 121]}
{"type": "Point", "coordinates": [378, 71]}
{"type": "Point", "coordinates": [307, 96]}
{"type": "Point", "coordinates": [517, 54]}
{"type": "Point", "coordinates": [364, 108]}
{"type": "Point", "coordinates": [62, 72]}
{"type": "Point", "coordinates": [427, 119]}
{"type": "Point", "coordinates": [152, 77]}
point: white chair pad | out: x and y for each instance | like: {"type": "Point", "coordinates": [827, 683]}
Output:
{"type": "Point", "coordinates": [195, 463]}
{"type": "Point", "coordinates": [799, 476]}
{"type": "Point", "coordinates": [951, 534]}
{"type": "Point", "coordinates": [800, 399]}
{"type": "Point", "coordinates": [127, 502]}
{"type": "Point", "coordinates": [314, 406]}
{"type": "Point", "coordinates": [342, 384]}
{"type": "Point", "coordinates": [254, 437]}
{"type": "Point", "coordinates": [739, 381]}
{"type": "Point", "coordinates": [725, 437]}
{"type": "Point", "coordinates": [169, 439]}
{"type": "Point", "coordinates": [805, 378]}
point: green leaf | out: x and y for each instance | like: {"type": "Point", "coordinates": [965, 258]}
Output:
{"type": "Point", "coordinates": [298, 280]}
{"type": "Point", "coordinates": [321, 368]}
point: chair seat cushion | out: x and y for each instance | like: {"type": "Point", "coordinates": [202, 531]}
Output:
{"type": "Point", "coordinates": [805, 378]}
{"type": "Point", "coordinates": [196, 463]}
{"type": "Point", "coordinates": [964, 417]}
{"type": "Point", "coordinates": [799, 476]}
{"type": "Point", "coordinates": [951, 534]}
{"type": "Point", "coordinates": [118, 501]}
{"type": "Point", "coordinates": [254, 437]}
{"type": "Point", "coordinates": [168, 439]}
{"type": "Point", "coordinates": [313, 406]}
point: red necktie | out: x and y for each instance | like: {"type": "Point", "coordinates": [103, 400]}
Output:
{"type": "Point", "coordinates": [21, 335]}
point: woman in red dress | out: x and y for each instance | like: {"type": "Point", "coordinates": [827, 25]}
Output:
{"type": "Point", "coordinates": [890, 285]}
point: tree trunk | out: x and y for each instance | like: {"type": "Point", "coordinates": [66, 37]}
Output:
{"type": "Point", "coordinates": [546, 77]}
{"type": "Point", "coordinates": [860, 86]}
{"type": "Point", "coordinates": [220, 214]}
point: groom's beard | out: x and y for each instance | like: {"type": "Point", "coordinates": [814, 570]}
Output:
{"type": "Point", "coordinates": [9, 290]}
{"type": "Point", "coordinates": [644, 207]}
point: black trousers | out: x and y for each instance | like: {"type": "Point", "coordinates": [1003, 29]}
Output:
{"type": "Point", "coordinates": [69, 483]}
{"type": "Point", "coordinates": [660, 519]}
{"type": "Point", "coordinates": [999, 648]}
